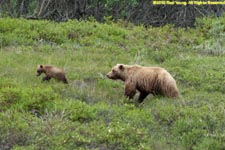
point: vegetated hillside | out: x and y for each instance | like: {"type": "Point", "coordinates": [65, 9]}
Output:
{"type": "Point", "coordinates": [91, 112]}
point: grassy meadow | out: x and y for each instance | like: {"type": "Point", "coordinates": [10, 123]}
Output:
{"type": "Point", "coordinates": [91, 113]}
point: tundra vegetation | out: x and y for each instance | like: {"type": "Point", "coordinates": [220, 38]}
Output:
{"type": "Point", "coordinates": [91, 112]}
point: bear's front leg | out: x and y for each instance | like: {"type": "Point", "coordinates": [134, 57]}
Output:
{"type": "Point", "coordinates": [46, 78]}
{"type": "Point", "coordinates": [65, 80]}
{"type": "Point", "coordinates": [142, 96]}
{"type": "Point", "coordinates": [130, 90]}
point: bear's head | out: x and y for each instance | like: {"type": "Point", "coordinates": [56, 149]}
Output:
{"type": "Point", "coordinates": [117, 72]}
{"type": "Point", "coordinates": [40, 70]}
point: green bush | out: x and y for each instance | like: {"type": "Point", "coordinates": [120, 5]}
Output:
{"type": "Point", "coordinates": [15, 129]}
{"type": "Point", "coordinates": [76, 110]}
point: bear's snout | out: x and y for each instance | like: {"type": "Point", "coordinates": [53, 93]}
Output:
{"type": "Point", "coordinates": [112, 76]}
{"type": "Point", "coordinates": [108, 75]}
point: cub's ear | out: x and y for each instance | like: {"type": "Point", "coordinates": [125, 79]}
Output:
{"type": "Point", "coordinates": [121, 67]}
{"type": "Point", "coordinates": [41, 66]}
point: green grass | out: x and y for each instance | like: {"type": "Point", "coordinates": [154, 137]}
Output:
{"type": "Point", "coordinates": [91, 112]}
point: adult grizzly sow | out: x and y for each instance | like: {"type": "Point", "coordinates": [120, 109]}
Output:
{"type": "Point", "coordinates": [146, 80]}
{"type": "Point", "coordinates": [51, 72]}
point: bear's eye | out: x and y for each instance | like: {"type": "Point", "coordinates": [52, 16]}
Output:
{"type": "Point", "coordinates": [113, 71]}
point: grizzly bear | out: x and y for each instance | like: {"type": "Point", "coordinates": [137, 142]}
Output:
{"type": "Point", "coordinates": [147, 80]}
{"type": "Point", "coordinates": [51, 72]}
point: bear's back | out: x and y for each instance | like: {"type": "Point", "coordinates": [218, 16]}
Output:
{"type": "Point", "coordinates": [54, 71]}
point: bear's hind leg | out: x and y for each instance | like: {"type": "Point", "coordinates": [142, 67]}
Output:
{"type": "Point", "coordinates": [142, 96]}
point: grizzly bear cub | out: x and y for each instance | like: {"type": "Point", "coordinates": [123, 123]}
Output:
{"type": "Point", "coordinates": [51, 72]}
{"type": "Point", "coordinates": [147, 80]}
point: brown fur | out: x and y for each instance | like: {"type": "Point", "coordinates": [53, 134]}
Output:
{"type": "Point", "coordinates": [51, 72]}
{"type": "Point", "coordinates": [146, 80]}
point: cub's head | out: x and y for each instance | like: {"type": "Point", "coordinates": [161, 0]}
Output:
{"type": "Point", "coordinates": [117, 72]}
{"type": "Point", "coordinates": [40, 70]}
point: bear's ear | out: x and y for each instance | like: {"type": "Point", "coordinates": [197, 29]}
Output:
{"type": "Point", "coordinates": [41, 66]}
{"type": "Point", "coordinates": [121, 67]}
